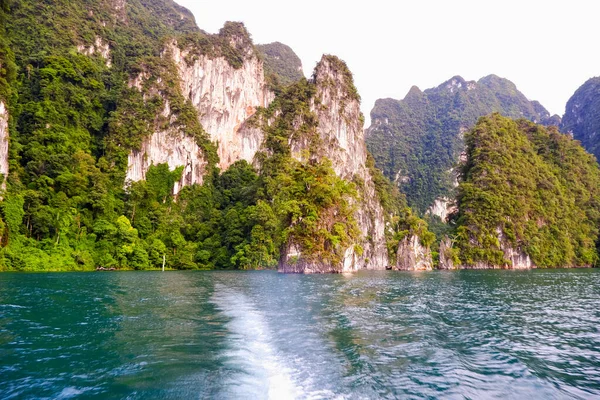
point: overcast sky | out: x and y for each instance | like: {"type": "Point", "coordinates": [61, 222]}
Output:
{"type": "Point", "coordinates": [547, 48]}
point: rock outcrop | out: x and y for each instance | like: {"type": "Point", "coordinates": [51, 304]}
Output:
{"type": "Point", "coordinates": [517, 258]}
{"type": "Point", "coordinates": [99, 47]}
{"type": "Point", "coordinates": [336, 106]}
{"type": "Point", "coordinates": [446, 260]}
{"type": "Point", "coordinates": [224, 96]}
{"type": "Point", "coordinates": [442, 207]}
{"type": "Point", "coordinates": [413, 256]}
{"type": "Point", "coordinates": [3, 142]}
{"type": "Point", "coordinates": [173, 147]}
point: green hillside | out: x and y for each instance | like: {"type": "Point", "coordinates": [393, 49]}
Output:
{"type": "Point", "coordinates": [528, 188]}
{"type": "Point", "coordinates": [417, 141]}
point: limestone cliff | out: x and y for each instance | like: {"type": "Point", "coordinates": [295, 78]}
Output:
{"type": "Point", "coordinates": [224, 97]}
{"type": "Point", "coordinates": [173, 147]}
{"type": "Point", "coordinates": [169, 141]}
{"type": "Point", "coordinates": [442, 207]}
{"type": "Point", "coordinates": [413, 256]}
{"type": "Point", "coordinates": [336, 106]}
{"type": "Point", "coordinates": [446, 259]}
{"type": "Point", "coordinates": [225, 94]}
{"type": "Point", "coordinates": [3, 142]}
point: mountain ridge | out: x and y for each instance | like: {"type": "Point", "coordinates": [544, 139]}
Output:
{"type": "Point", "coordinates": [582, 116]}
{"type": "Point", "coordinates": [417, 141]}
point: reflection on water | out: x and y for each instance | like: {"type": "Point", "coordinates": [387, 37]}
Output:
{"type": "Point", "coordinates": [476, 334]}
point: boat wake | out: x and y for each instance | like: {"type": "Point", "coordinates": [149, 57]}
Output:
{"type": "Point", "coordinates": [257, 369]}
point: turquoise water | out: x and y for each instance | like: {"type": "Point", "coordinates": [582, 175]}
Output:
{"type": "Point", "coordinates": [141, 335]}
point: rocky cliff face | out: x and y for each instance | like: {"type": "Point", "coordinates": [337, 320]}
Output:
{"type": "Point", "coordinates": [446, 260]}
{"type": "Point", "coordinates": [3, 142]}
{"type": "Point", "coordinates": [442, 207]}
{"type": "Point", "coordinates": [517, 258]}
{"type": "Point", "coordinates": [224, 96]}
{"type": "Point", "coordinates": [340, 129]}
{"type": "Point", "coordinates": [412, 256]}
{"type": "Point", "coordinates": [168, 143]}
{"type": "Point", "coordinates": [173, 147]}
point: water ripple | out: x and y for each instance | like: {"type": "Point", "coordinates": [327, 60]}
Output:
{"type": "Point", "coordinates": [469, 334]}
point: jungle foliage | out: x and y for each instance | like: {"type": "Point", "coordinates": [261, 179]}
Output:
{"type": "Point", "coordinates": [76, 115]}
{"type": "Point", "coordinates": [282, 66]}
{"type": "Point", "coordinates": [530, 188]}
{"type": "Point", "coordinates": [417, 141]}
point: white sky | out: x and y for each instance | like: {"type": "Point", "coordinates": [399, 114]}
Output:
{"type": "Point", "coordinates": [547, 48]}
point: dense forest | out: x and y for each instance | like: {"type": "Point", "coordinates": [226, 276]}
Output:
{"type": "Point", "coordinates": [417, 141]}
{"type": "Point", "coordinates": [526, 189]}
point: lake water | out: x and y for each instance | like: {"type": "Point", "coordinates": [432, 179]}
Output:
{"type": "Point", "coordinates": [185, 335]}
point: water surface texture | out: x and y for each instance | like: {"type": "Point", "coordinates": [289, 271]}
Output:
{"type": "Point", "coordinates": [467, 334]}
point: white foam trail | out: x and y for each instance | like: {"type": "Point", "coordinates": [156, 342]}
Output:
{"type": "Point", "coordinates": [263, 372]}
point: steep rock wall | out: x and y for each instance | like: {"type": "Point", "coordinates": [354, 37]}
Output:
{"type": "Point", "coordinates": [168, 144]}
{"type": "Point", "coordinates": [442, 207]}
{"type": "Point", "coordinates": [412, 256]}
{"type": "Point", "coordinates": [516, 257]}
{"type": "Point", "coordinates": [173, 147]}
{"type": "Point", "coordinates": [3, 142]}
{"type": "Point", "coordinates": [446, 261]}
{"type": "Point", "coordinates": [225, 97]}
{"type": "Point", "coordinates": [340, 129]}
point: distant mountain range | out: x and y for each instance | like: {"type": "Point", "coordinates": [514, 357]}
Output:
{"type": "Point", "coordinates": [417, 141]}
{"type": "Point", "coordinates": [582, 116]}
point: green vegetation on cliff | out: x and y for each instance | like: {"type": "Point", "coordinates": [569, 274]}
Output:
{"type": "Point", "coordinates": [314, 205]}
{"type": "Point", "coordinates": [582, 116]}
{"type": "Point", "coordinates": [65, 68]}
{"type": "Point", "coordinates": [282, 65]}
{"type": "Point", "coordinates": [87, 83]}
{"type": "Point", "coordinates": [417, 141]}
{"type": "Point", "coordinates": [528, 188]}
